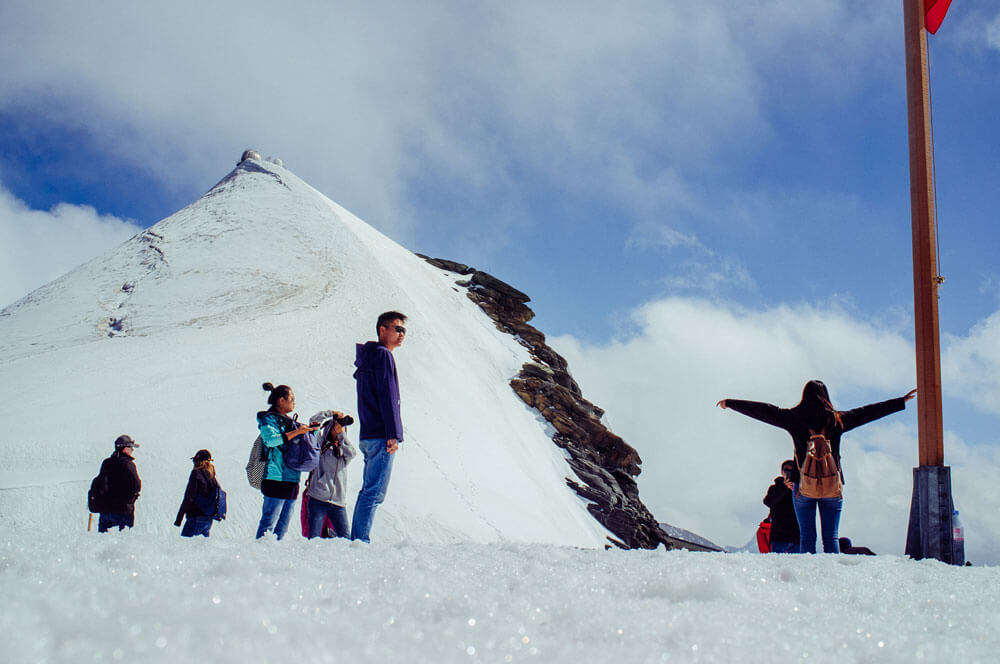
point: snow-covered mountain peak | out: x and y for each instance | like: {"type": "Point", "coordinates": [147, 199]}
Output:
{"type": "Point", "coordinates": [260, 242]}
{"type": "Point", "coordinates": [169, 336]}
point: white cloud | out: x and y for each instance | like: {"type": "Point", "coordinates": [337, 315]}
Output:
{"type": "Point", "coordinates": [970, 365]}
{"type": "Point", "coordinates": [993, 33]}
{"type": "Point", "coordinates": [701, 270]}
{"type": "Point", "coordinates": [365, 102]}
{"type": "Point", "coordinates": [649, 235]}
{"type": "Point", "coordinates": [38, 246]}
{"type": "Point", "coordinates": [707, 469]}
{"type": "Point", "coordinates": [711, 275]}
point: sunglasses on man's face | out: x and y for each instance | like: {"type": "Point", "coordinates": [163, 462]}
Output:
{"type": "Point", "coordinates": [399, 329]}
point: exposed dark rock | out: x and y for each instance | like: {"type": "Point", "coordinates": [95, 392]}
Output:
{"type": "Point", "coordinates": [685, 539]}
{"type": "Point", "coordinates": [116, 326]}
{"type": "Point", "coordinates": [450, 266]}
{"type": "Point", "coordinates": [604, 463]}
{"type": "Point", "coordinates": [532, 370]}
{"type": "Point", "coordinates": [490, 282]}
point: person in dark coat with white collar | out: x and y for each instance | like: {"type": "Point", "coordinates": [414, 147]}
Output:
{"type": "Point", "coordinates": [123, 486]}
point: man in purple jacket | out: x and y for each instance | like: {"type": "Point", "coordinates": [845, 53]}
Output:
{"type": "Point", "coordinates": [378, 410]}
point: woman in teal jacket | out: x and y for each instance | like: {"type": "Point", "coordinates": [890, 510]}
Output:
{"type": "Point", "coordinates": [281, 484]}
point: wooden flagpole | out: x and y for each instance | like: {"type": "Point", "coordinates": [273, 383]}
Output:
{"type": "Point", "coordinates": [930, 528]}
{"type": "Point", "coordinates": [925, 276]}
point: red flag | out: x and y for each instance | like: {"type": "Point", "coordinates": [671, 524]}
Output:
{"type": "Point", "coordinates": [936, 9]}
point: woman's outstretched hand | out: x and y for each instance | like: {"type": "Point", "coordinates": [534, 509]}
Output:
{"type": "Point", "coordinates": [909, 395]}
{"type": "Point", "coordinates": [722, 404]}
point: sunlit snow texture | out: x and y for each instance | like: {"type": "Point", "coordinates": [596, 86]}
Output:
{"type": "Point", "coordinates": [132, 597]}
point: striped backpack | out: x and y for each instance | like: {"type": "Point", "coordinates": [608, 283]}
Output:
{"type": "Point", "coordinates": [257, 465]}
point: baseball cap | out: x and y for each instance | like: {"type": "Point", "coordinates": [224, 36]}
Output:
{"type": "Point", "coordinates": [125, 440]}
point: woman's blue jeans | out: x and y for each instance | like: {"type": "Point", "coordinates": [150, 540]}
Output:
{"type": "Point", "coordinates": [829, 518]}
{"type": "Point", "coordinates": [196, 525]}
{"type": "Point", "coordinates": [378, 468]}
{"type": "Point", "coordinates": [275, 508]}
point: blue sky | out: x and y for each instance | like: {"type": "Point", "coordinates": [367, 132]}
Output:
{"type": "Point", "coordinates": [618, 163]}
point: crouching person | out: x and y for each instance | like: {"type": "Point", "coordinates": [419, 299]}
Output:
{"type": "Point", "coordinates": [327, 485]}
{"type": "Point", "coordinates": [784, 526]}
{"type": "Point", "coordinates": [203, 488]}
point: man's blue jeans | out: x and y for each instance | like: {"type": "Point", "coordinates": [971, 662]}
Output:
{"type": "Point", "coordinates": [196, 525]}
{"type": "Point", "coordinates": [319, 510]}
{"type": "Point", "coordinates": [275, 508]}
{"type": "Point", "coordinates": [109, 520]}
{"type": "Point", "coordinates": [829, 518]}
{"type": "Point", "coordinates": [378, 468]}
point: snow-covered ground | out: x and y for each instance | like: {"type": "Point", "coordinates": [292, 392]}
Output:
{"type": "Point", "coordinates": [138, 596]}
{"type": "Point", "coordinates": [480, 553]}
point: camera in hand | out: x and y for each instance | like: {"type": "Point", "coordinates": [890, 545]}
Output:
{"type": "Point", "coordinates": [342, 420]}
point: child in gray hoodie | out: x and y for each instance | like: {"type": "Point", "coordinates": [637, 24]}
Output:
{"type": "Point", "coordinates": [327, 484]}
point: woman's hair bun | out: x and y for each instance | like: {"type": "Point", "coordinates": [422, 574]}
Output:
{"type": "Point", "coordinates": [268, 387]}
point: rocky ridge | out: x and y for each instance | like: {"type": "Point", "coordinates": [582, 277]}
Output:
{"type": "Point", "coordinates": [604, 462]}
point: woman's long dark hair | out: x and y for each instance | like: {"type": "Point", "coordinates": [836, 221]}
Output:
{"type": "Point", "coordinates": [815, 406]}
{"type": "Point", "coordinates": [279, 392]}
{"type": "Point", "coordinates": [207, 465]}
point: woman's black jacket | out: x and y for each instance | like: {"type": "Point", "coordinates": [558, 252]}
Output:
{"type": "Point", "coordinates": [800, 423]}
{"type": "Point", "coordinates": [200, 482]}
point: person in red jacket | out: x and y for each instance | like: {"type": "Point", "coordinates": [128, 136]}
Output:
{"type": "Point", "coordinates": [815, 414]}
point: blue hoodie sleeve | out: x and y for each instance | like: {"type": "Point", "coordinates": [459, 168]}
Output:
{"type": "Point", "coordinates": [387, 389]}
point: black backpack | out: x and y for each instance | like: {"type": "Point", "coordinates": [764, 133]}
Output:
{"type": "Point", "coordinates": [97, 497]}
{"type": "Point", "coordinates": [213, 505]}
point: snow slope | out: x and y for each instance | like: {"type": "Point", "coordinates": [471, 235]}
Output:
{"type": "Point", "coordinates": [169, 336]}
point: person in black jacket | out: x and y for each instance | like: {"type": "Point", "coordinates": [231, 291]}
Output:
{"type": "Point", "coordinates": [201, 482]}
{"type": "Point", "coordinates": [815, 414]}
{"type": "Point", "coordinates": [123, 486]}
{"type": "Point", "coordinates": [784, 526]}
